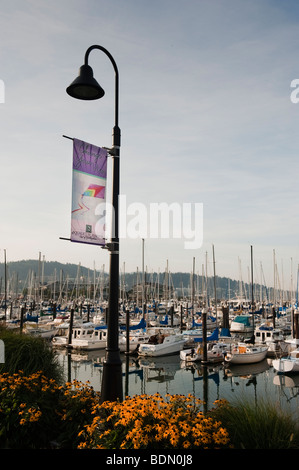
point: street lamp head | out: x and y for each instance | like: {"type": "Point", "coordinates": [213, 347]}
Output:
{"type": "Point", "coordinates": [85, 86]}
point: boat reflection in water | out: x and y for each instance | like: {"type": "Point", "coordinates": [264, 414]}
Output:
{"type": "Point", "coordinates": [159, 369]}
{"type": "Point", "coordinates": [247, 370]}
{"type": "Point", "coordinates": [288, 381]}
{"type": "Point", "coordinates": [170, 375]}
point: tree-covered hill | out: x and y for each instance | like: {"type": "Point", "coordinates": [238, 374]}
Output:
{"type": "Point", "coordinates": [47, 271]}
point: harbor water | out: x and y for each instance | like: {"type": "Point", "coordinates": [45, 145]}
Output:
{"type": "Point", "coordinates": [258, 383]}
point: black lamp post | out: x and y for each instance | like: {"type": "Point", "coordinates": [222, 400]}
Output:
{"type": "Point", "coordinates": [85, 87]}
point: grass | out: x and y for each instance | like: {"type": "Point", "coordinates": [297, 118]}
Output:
{"type": "Point", "coordinates": [29, 354]}
{"type": "Point", "coordinates": [259, 425]}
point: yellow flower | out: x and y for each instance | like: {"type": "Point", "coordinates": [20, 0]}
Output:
{"type": "Point", "coordinates": [186, 444]}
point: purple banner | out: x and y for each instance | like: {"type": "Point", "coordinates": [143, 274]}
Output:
{"type": "Point", "coordinates": [88, 193]}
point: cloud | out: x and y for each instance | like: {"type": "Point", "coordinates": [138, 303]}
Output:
{"type": "Point", "coordinates": [205, 114]}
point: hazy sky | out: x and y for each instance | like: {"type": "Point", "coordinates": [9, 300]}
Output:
{"type": "Point", "coordinates": [205, 113]}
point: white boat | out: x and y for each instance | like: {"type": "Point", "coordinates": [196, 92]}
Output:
{"type": "Point", "coordinates": [85, 337]}
{"type": "Point", "coordinates": [137, 334]}
{"type": "Point", "coordinates": [215, 352]}
{"type": "Point", "coordinates": [289, 364]}
{"type": "Point", "coordinates": [164, 341]}
{"type": "Point", "coordinates": [89, 338]}
{"type": "Point", "coordinates": [242, 324]}
{"type": "Point", "coordinates": [43, 332]}
{"type": "Point", "coordinates": [197, 322]}
{"type": "Point", "coordinates": [134, 340]}
{"type": "Point", "coordinates": [243, 353]}
{"type": "Point", "coordinates": [99, 319]}
{"type": "Point", "coordinates": [272, 337]}
{"type": "Point", "coordinates": [60, 341]}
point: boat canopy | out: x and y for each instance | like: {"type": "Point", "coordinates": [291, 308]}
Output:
{"type": "Point", "coordinates": [33, 318]}
{"type": "Point", "coordinates": [139, 326]}
{"type": "Point", "coordinates": [266, 328]}
{"type": "Point", "coordinates": [242, 319]}
{"type": "Point", "coordinates": [214, 336]}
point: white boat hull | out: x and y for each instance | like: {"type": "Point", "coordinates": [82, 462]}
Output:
{"type": "Point", "coordinates": [42, 332]}
{"type": "Point", "coordinates": [286, 365]}
{"type": "Point", "coordinates": [88, 345]}
{"type": "Point", "coordinates": [170, 344]}
{"type": "Point", "coordinates": [246, 357]}
{"type": "Point", "coordinates": [60, 341]}
{"type": "Point", "coordinates": [154, 351]}
{"type": "Point", "coordinates": [190, 355]}
{"type": "Point", "coordinates": [134, 342]}
{"type": "Point", "coordinates": [86, 338]}
{"type": "Point", "coordinates": [215, 353]}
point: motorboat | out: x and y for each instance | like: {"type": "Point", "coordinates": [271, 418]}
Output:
{"type": "Point", "coordinates": [89, 338]}
{"type": "Point", "coordinates": [215, 353]}
{"type": "Point", "coordinates": [85, 337]}
{"type": "Point", "coordinates": [289, 364]}
{"type": "Point", "coordinates": [243, 353]}
{"type": "Point", "coordinates": [162, 342]}
{"type": "Point", "coordinates": [47, 332]}
{"type": "Point", "coordinates": [272, 337]}
{"type": "Point", "coordinates": [137, 334]}
{"type": "Point", "coordinates": [135, 338]}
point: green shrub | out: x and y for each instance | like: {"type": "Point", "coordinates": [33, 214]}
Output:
{"type": "Point", "coordinates": [259, 426]}
{"type": "Point", "coordinates": [29, 354]}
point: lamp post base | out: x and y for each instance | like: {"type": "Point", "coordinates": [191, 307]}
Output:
{"type": "Point", "coordinates": [112, 389]}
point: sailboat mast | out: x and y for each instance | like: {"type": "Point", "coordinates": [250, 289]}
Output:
{"type": "Point", "coordinates": [143, 279]}
{"type": "Point", "coordinates": [274, 273]}
{"type": "Point", "coordinates": [215, 286]}
{"type": "Point", "coordinates": [252, 299]}
{"type": "Point", "coordinates": [5, 285]}
{"type": "Point", "coordinates": [192, 290]}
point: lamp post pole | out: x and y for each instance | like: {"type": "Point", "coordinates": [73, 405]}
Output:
{"type": "Point", "coordinates": [86, 88]}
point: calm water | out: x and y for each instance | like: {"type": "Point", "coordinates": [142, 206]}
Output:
{"type": "Point", "coordinates": [170, 375]}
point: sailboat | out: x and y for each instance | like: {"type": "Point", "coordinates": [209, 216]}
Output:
{"type": "Point", "coordinates": [243, 353]}
{"type": "Point", "coordinates": [215, 352]}
{"type": "Point", "coordinates": [289, 364]}
{"type": "Point", "coordinates": [162, 342]}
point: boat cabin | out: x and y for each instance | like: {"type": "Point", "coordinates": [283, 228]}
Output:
{"type": "Point", "coordinates": [264, 334]}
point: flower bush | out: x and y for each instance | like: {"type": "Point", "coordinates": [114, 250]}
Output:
{"type": "Point", "coordinates": [150, 421]}
{"type": "Point", "coordinates": [36, 412]}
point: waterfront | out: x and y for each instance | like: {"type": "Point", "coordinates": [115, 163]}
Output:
{"type": "Point", "coordinates": [255, 382]}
